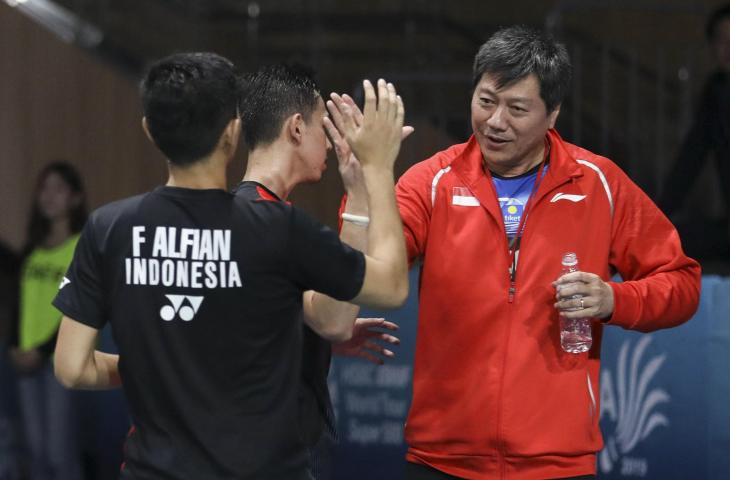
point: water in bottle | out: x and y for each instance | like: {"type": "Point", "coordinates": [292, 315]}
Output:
{"type": "Point", "coordinates": [575, 333]}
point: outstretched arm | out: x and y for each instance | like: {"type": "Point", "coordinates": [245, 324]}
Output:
{"type": "Point", "coordinates": [376, 143]}
{"type": "Point", "coordinates": [332, 319]}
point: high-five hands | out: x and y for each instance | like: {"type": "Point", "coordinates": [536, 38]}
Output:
{"type": "Point", "coordinates": [375, 134]}
{"type": "Point", "coordinates": [348, 164]}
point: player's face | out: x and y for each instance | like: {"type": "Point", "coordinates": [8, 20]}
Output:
{"type": "Point", "coordinates": [315, 144]}
{"type": "Point", "coordinates": [55, 197]}
{"type": "Point", "coordinates": [510, 123]}
{"type": "Point", "coordinates": [721, 44]}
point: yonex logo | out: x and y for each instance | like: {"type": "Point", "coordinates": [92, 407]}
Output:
{"type": "Point", "coordinates": [567, 196]}
{"type": "Point", "coordinates": [63, 283]}
{"type": "Point", "coordinates": [185, 312]}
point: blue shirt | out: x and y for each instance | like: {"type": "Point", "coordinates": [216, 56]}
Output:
{"type": "Point", "coordinates": [513, 194]}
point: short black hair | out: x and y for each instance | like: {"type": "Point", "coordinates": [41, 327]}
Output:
{"type": "Point", "coordinates": [514, 53]}
{"type": "Point", "coordinates": [188, 99]}
{"type": "Point", "coordinates": [717, 16]}
{"type": "Point", "coordinates": [271, 95]}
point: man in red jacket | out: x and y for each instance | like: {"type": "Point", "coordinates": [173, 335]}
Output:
{"type": "Point", "coordinates": [494, 395]}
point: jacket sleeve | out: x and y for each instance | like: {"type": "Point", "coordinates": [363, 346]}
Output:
{"type": "Point", "coordinates": [413, 195]}
{"type": "Point", "coordinates": [661, 285]}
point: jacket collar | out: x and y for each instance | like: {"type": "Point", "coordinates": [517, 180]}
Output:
{"type": "Point", "coordinates": [469, 167]}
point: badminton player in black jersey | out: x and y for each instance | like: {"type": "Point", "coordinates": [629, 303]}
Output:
{"type": "Point", "coordinates": [285, 119]}
{"type": "Point", "coordinates": [204, 289]}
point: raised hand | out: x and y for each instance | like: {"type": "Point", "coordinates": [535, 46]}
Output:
{"type": "Point", "coordinates": [375, 134]}
{"type": "Point", "coordinates": [347, 164]}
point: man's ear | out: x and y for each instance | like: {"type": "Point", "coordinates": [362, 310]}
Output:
{"type": "Point", "coordinates": [231, 134]}
{"type": "Point", "coordinates": [553, 117]}
{"type": "Point", "coordinates": [294, 128]}
{"type": "Point", "coordinates": [146, 129]}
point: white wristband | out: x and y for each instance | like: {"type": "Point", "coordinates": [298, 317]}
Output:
{"type": "Point", "coordinates": [360, 220]}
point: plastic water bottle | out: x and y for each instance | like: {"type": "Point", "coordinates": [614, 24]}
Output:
{"type": "Point", "coordinates": [575, 333]}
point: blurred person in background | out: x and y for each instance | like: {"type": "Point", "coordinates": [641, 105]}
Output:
{"type": "Point", "coordinates": [709, 134]}
{"type": "Point", "coordinates": [47, 409]}
{"type": "Point", "coordinates": [9, 267]}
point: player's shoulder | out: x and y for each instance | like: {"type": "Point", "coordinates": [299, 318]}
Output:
{"type": "Point", "coordinates": [258, 199]}
{"type": "Point", "coordinates": [117, 210]}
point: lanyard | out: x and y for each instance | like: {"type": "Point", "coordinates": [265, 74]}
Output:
{"type": "Point", "coordinates": [514, 245]}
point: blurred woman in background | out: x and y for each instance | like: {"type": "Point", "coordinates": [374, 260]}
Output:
{"type": "Point", "coordinates": [47, 409]}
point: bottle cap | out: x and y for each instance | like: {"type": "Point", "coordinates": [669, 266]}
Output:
{"type": "Point", "coordinates": [570, 259]}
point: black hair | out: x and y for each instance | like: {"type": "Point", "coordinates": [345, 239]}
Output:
{"type": "Point", "coordinates": [188, 99]}
{"type": "Point", "coordinates": [272, 94]}
{"type": "Point", "coordinates": [514, 53]}
{"type": "Point", "coordinates": [717, 16]}
{"type": "Point", "coordinates": [39, 226]}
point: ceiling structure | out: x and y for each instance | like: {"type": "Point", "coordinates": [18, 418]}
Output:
{"type": "Point", "coordinates": [623, 50]}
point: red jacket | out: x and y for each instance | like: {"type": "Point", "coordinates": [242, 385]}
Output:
{"type": "Point", "coordinates": [494, 396]}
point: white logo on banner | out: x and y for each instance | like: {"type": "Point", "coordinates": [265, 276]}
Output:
{"type": "Point", "coordinates": [632, 405]}
{"type": "Point", "coordinates": [185, 312]}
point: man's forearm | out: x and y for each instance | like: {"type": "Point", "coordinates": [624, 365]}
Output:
{"type": "Point", "coordinates": [385, 233]}
{"type": "Point", "coordinates": [100, 372]}
{"type": "Point", "coordinates": [78, 364]}
{"type": "Point", "coordinates": [107, 371]}
{"type": "Point", "coordinates": [331, 318]}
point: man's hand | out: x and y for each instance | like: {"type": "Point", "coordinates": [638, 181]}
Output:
{"type": "Point", "coordinates": [596, 296]}
{"type": "Point", "coordinates": [374, 135]}
{"type": "Point", "coordinates": [348, 165]}
{"type": "Point", "coordinates": [363, 345]}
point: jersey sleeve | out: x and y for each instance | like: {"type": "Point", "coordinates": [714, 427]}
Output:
{"type": "Point", "coordinates": [80, 294]}
{"type": "Point", "coordinates": [319, 261]}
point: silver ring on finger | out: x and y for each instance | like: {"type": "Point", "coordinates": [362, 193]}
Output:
{"type": "Point", "coordinates": [582, 306]}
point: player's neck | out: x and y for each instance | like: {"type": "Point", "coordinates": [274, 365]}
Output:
{"type": "Point", "coordinates": [204, 174]}
{"type": "Point", "coordinates": [271, 167]}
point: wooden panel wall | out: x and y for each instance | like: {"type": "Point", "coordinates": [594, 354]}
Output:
{"type": "Point", "coordinates": [58, 102]}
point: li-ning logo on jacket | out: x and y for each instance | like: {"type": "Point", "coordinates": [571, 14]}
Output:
{"type": "Point", "coordinates": [632, 405]}
{"type": "Point", "coordinates": [567, 196]}
{"type": "Point", "coordinates": [185, 312]}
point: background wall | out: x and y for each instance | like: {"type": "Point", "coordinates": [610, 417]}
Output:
{"type": "Point", "coordinates": [58, 102]}
{"type": "Point", "coordinates": [636, 80]}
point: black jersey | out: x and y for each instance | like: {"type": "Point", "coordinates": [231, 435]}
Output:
{"type": "Point", "coordinates": [316, 405]}
{"type": "Point", "coordinates": [203, 290]}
